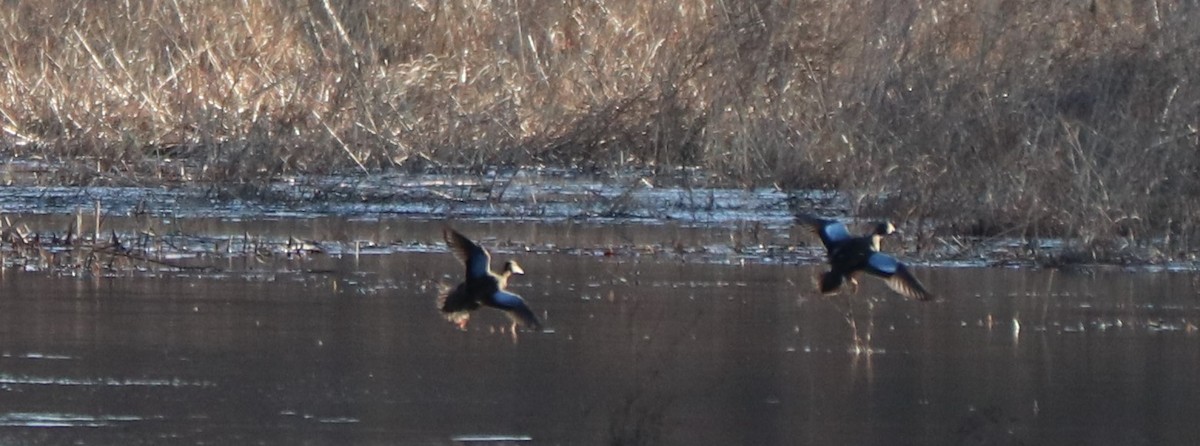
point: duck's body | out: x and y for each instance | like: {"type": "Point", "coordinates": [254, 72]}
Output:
{"type": "Point", "coordinates": [849, 255]}
{"type": "Point", "coordinates": [482, 287]}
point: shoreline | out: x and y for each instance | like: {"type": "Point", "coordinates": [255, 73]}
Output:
{"type": "Point", "coordinates": [342, 214]}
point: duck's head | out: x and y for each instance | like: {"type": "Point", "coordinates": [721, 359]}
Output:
{"type": "Point", "coordinates": [511, 268]}
{"type": "Point", "coordinates": [881, 230]}
{"type": "Point", "coordinates": [885, 228]}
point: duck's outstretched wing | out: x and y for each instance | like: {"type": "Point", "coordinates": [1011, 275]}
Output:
{"type": "Point", "coordinates": [830, 231]}
{"type": "Point", "coordinates": [474, 256]}
{"type": "Point", "coordinates": [897, 276]}
{"type": "Point", "coordinates": [516, 309]}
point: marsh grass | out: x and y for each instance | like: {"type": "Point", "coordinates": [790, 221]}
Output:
{"type": "Point", "coordinates": [1002, 118]}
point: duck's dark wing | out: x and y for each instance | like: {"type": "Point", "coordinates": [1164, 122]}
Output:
{"type": "Point", "coordinates": [897, 276]}
{"type": "Point", "coordinates": [455, 306]}
{"type": "Point", "coordinates": [831, 232]}
{"type": "Point", "coordinates": [474, 256]}
{"type": "Point", "coordinates": [451, 300]}
{"type": "Point", "coordinates": [516, 309]}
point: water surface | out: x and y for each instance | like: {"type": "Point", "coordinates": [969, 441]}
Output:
{"type": "Point", "coordinates": [646, 348]}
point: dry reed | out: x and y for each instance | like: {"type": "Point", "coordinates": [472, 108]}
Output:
{"type": "Point", "coordinates": [1031, 118]}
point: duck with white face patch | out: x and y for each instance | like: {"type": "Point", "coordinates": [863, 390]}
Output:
{"type": "Point", "coordinates": [482, 286]}
{"type": "Point", "coordinates": [849, 255]}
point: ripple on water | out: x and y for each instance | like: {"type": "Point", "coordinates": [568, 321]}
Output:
{"type": "Point", "coordinates": [48, 419]}
{"type": "Point", "coordinates": [63, 381]}
{"type": "Point", "coordinates": [320, 419]}
{"type": "Point", "coordinates": [489, 438]}
{"type": "Point", "coordinates": [36, 355]}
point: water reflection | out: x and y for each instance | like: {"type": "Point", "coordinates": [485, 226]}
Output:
{"type": "Point", "coordinates": [639, 349]}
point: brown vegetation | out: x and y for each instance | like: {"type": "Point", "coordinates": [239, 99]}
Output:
{"type": "Point", "coordinates": [1032, 118]}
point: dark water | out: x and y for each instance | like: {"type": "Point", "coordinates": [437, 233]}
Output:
{"type": "Point", "coordinates": [641, 350]}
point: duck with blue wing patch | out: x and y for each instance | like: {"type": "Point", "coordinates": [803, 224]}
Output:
{"type": "Point", "coordinates": [482, 287]}
{"type": "Point", "coordinates": [849, 255]}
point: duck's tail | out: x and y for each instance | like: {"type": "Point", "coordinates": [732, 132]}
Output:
{"type": "Point", "coordinates": [830, 281]}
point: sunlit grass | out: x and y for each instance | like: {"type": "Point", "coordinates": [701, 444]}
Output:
{"type": "Point", "coordinates": [1031, 118]}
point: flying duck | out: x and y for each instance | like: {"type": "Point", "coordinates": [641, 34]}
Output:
{"type": "Point", "coordinates": [481, 286]}
{"type": "Point", "coordinates": [849, 255]}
